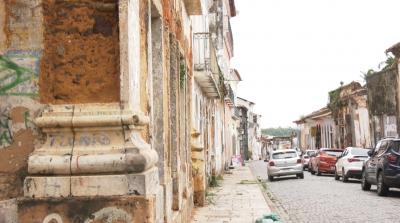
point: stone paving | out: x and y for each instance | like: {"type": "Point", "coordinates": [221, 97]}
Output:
{"type": "Point", "coordinates": [238, 200]}
{"type": "Point", "coordinates": [318, 199]}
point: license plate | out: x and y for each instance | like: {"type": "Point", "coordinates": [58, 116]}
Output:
{"type": "Point", "coordinates": [332, 168]}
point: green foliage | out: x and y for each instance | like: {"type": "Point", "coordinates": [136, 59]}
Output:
{"type": "Point", "coordinates": [182, 75]}
{"type": "Point", "coordinates": [215, 182]}
{"type": "Point", "coordinates": [382, 66]}
{"type": "Point", "coordinates": [334, 101]}
{"type": "Point", "coordinates": [280, 131]}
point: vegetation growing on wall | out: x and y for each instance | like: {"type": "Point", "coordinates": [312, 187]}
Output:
{"type": "Point", "coordinates": [182, 75]}
{"type": "Point", "coordinates": [382, 66]}
{"type": "Point", "coordinates": [334, 101]}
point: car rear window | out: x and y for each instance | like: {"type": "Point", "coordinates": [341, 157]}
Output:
{"type": "Point", "coordinates": [395, 146]}
{"type": "Point", "coordinates": [332, 152]}
{"type": "Point", "coordinates": [284, 155]}
{"type": "Point", "coordinates": [359, 152]}
{"type": "Point", "coordinates": [310, 153]}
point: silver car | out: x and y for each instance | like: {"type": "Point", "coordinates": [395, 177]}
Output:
{"type": "Point", "coordinates": [284, 162]}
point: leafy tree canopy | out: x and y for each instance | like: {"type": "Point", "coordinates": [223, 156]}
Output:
{"type": "Point", "coordinates": [280, 131]}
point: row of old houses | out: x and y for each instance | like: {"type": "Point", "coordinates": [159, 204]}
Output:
{"type": "Point", "coordinates": [117, 110]}
{"type": "Point", "coordinates": [357, 114]}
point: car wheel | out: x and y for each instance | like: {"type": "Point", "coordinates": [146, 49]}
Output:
{"type": "Point", "coordinates": [300, 175]}
{"type": "Point", "coordinates": [312, 170]}
{"type": "Point", "coordinates": [270, 178]}
{"type": "Point", "coordinates": [344, 177]}
{"type": "Point", "coordinates": [317, 172]}
{"type": "Point", "coordinates": [337, 177]}
{"type": "Point", "coordinates": [382, 189]}
{"type": "Point", "coordinates": [364, 183]}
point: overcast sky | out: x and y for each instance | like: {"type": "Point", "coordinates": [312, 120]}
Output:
{"type": "Point", "coordinates": [291, 53]}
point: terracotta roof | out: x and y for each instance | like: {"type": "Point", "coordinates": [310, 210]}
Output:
{"type": "Point", "coordinates": [314, 115]}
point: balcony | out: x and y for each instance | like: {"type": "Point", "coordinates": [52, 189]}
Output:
{"type": "Point", "coordinates": [228, 37]}
{"type": "Point", "coordinates": [229, 96]}
{"type": "Point", "coordinates": [236, 113]}
{"type": "Point", "coordinates": [206, 70]}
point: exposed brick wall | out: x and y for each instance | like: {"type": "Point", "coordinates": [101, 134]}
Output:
{"type": "Point", "coordinates": [81, 52]}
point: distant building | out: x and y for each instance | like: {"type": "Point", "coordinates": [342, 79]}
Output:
{"type": "Point", "coordinates": [343, 123]}
{"type": "Point", "coordinates": [316, 130]}
{"type": "Point", "coordinates": [383, 99]}
{"type": "Point", "coordinates": [249, 130]}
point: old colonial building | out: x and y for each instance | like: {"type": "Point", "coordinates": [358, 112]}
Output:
{"type": "Point", "coordinates": [383, 99]}
{"type": "Point", "coordinates": [348, 104]}
{"type": "Point", "coordinates": [213, 97]}
{"type": "Point", "coordinates": [316, 130]}
{"type": "Point", "coordinates": [343, 123]}
{"type": "Point", "coordinates": [249, 130]}
{"type": "Point", "coordinates": [106, 108]}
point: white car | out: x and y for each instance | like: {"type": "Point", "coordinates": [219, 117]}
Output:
{"type": "Point", "coordinates": [305, 158]}
{"type": "Point", "coordinates": [350, 163]}
{"type": "Point", "coordinates": [284, 162]}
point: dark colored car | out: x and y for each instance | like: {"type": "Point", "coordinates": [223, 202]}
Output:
{"type": "Point", "coordinates": [383, 167]}
{"type": "Point", "coordinates": [324, 161]}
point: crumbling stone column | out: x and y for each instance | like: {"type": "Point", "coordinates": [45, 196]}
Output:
{"type": "Point", "coordinates": [198, 168]}
{"type": "Point", "coordinates": [94, 164]}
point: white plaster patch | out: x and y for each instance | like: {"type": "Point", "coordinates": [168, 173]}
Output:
{"type": "Point", "coordinates": [109, 215]}
{"type": "Point", "coordinates": [53, 216]}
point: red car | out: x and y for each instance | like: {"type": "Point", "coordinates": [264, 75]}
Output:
{"type": "Point", "coordinates": [324, 161]}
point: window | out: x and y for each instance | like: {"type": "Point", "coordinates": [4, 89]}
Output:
{"type": "Point", "coordinates": [284, 155]}
{"type": "Point", "coordinates": [359, 152]}
{"type": "Point", "coordinates": [382, 148]}
{"type": "Point", "coordinates": [332, 152]}
{"type": "Point", "coordinates": [395, 146]}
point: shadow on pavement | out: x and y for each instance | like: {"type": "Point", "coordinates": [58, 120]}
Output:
{"type": "Point", "coordinates": [285, 178]}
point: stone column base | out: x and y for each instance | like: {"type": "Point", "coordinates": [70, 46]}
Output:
{"type": "Point", "coordinates": [96, 185]}
{"type": "Point", "coordinates": [126, 209]}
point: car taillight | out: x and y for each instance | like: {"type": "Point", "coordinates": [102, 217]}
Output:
{"type": "Point", "coordinates": [298, 160]}
{"type": "Point", "coordinates": [271, 163]}
{"type": "Point", "coordinates": [392, 158]}
{"type": "Point", "coordinates": [353, 160]}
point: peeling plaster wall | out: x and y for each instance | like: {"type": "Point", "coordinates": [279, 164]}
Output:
{"type": "Point", "coordinates": [21, 45]}
{"type": "Point", "coordinates": [383, 104]}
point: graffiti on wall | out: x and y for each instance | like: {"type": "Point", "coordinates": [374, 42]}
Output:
{"type": "Point", "coordinates": [19, 74]}
{"type": "Point", "coordinates": [18, 88]}
{"type": "Point", "coordinates": [5, 131]}
{"type": "Point", "coordinates": [8, 128]}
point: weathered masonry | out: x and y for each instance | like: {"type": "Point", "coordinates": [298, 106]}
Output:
{"type": "Point", "coordinates": [97, 117]}
{"type": "Point", "coordinates": [96, 77]}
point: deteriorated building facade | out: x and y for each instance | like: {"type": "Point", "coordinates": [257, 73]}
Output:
{"type": "Point", "coordinates": [100, 108]}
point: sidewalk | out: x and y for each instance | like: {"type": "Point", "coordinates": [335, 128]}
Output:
{"type": "Point", "coordinates": [238, 200]}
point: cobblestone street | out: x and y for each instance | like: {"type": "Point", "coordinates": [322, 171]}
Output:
{"type": "Point", "coordinates": [322, 199]}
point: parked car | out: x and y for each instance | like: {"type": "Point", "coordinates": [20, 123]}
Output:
{"type": "Point", "coordinates": [383, 167]}
{"type": "Point", "coordinates": [349, 164]}
{"type": "Point", "coordinates": [284, 162]}
{"type": "Point", "coordinates": [305, 158]}
{"type": "Point", "coordinates": [324, 161]}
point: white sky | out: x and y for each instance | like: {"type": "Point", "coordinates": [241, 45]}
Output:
{"type": "Point", "coordinates": [291, 53]}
